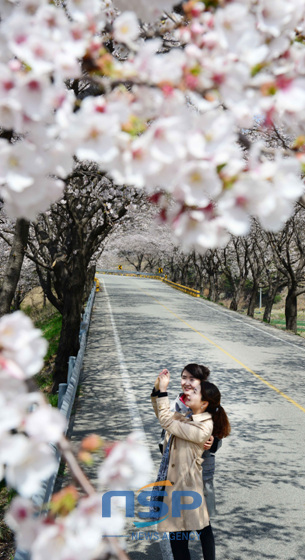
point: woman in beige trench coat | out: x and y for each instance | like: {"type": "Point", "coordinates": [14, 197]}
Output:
{"type": "Point", "coordinates": [184, 445]}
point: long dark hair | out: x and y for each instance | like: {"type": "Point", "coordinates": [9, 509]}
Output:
{"type": "Point", "coordinates": [210, 393]}
{"type": "Point", "coordinates": [197, 371]}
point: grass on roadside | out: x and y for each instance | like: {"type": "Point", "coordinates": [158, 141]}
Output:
{"type": "Point", "coordinates": [50, 326]}
{"type": "Point", "coordinates": [278, 320]}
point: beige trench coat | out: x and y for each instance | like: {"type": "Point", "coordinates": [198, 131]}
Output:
{"type": "Point", "coordinates": [185, 460]}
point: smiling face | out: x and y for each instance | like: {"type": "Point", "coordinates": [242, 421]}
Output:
{"type": "Point", "coordinates": [193, 400]}
{"type": "Point", "coordinates": [188, 382]}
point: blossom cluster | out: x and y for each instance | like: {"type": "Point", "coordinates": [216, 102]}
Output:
{"type": "Point", "coordinates": [79, 535]}
{"type": "Point", "coordinates": [80, 531]}
{"type": "Point", "coordinates": [174, 130]}
{"type": "Point", "coordinates": [27, 424]}
{"type": "Point", "coordinates": [157, 99]}
{"type": "Point", "coordinates": [27, 427]}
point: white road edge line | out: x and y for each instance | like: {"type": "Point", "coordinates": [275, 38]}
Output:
{"type": "Point", "coordinates": [244, 322]}
{"type": "Point", "coordinates": [132, 404]}
{"type": "Point", "coordinates": [131, 401]}
{"type": "Point", "coordinates": [135, 417]}
{"type": "Point", "coordinates": [211, 306]}
{"type": "Point", "coordinates": [253, 327]}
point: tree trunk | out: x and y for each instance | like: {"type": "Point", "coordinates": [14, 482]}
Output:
{"type": "Point", "coordinates": [139, 263]}
{"type": "Point", "coordinates": [270, 301]}
{"type": "Point", "coordinates": [17, 300]}
{"type": "Point", "coordinates": [198, 282]}
{"type": "Point", "coordinates": [89, 282]}
{"type": "Point", "coordinates": [237, 294]}
{"type": "Point", "coordinates": [213, 291]}
{"type": "Point", "coordinates": [291, 309]}
{"type": "Point", "coordinates": [182, 276]}
{"type": "Point", "coordinates": [14, 265]}
{"type": "Point", "coordinates": [253, 300]}
{"type": "Point", "coordinates": [175, 274]}
{"type": "Point", "coordinates": [71, 320]}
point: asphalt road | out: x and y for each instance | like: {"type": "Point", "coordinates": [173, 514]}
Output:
{"type": "Point", "coordinates": [140, 326]}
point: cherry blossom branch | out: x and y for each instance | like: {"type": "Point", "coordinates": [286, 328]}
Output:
{"type": "Point", "coordinates": [78, 474]}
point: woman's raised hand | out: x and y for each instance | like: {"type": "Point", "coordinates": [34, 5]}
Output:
{"type": "Point", "coordinates": [163, 377]}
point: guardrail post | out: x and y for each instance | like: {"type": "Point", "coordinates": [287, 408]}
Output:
{"type": "Point", "coordinates": [72, 360]}
{"type": "Point", "coordinates": [62, 387]}
{"type": "Point", "coordinates": [83, 326]}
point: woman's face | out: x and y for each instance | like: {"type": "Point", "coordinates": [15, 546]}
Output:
{"type": "Point", "coordinates": [194, 402]}
{"type": "Point", "coordinates": [188, 382]}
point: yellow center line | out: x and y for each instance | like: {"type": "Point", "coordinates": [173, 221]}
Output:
{"type": "Point", "coordinates": [228, 354]}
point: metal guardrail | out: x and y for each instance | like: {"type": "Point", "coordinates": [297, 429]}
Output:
{"type": "Point", "coordinates": [185, 289]}
{"type": "Point", "coordinates": [132, 273]}
{"type": "Point", "coordinates": [66, 397]}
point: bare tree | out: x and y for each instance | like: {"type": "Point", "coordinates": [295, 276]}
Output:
{"type": "Point", "coordinates": [16, 237]}
{"type": "Point", "coordinates": [271, 278]}
{"type": "Point", "coordinates": [140, 240]}
{"type": "Point", "coordinates": [64, 243]}
{"type": "Point", "coordinates": [288, 248]}
{"type": "Point", "coordinates": [235, 267]}
{"type": "Point", "coordinates": [253, 249]}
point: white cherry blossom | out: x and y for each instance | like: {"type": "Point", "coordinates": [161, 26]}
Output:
{"type": "Point", "coordinates": [87, 519]}
{"type": "Point", "coordinates": [8, 368]}
{"type": "Point", "coordinates": [19, 518]}
{"type": "Point", "coordinates": [236, 27]}
{"type": "Point", "coordinates": [201, 229]}
{"type": "Point", "coordinates": [126, 28]}
{"type": "Point", "coordinates": [22, 343]}
{"type": "Point", "coordinates": [27, 463]}
{"type": "Point", "coordinates": [199, 183]}
{"type": "Point", "coordinates": [168, 122]}
{"type": "Point", "coordinates": [267, 191]}
{"type": "Point", "coordinates": [78, 535]}
{"type": "Point", "coordinates": [82, 10]}
{"type": "Point", "coordinates": [274, 17]}
{"type": "Point", "coordinates": [27, 201]}
{"type": "Point", "coordinates": [147, 11]}
{"type": "Point", "coordinates": [11, 415]}
{"type": "Point", "coordinates": [55, 542]}
{"type": "Point", "coordinates": [45, 424]}
{"type": "Point", "coordinates": [128, 464]}
{"type": "Point", "coordinates": [166, 140]}
{"type": "Point", "coordinates": [222, 49]}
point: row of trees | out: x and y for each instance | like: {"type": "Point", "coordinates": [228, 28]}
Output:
{"type": "Point", "coordinates": [59, 251]}
{"type": "Point", "coordinates": [96, 221]}
{"type": "Point", "coordinates": [266, 260]}
{"type": "Point", "coordinates": [159, 101]}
